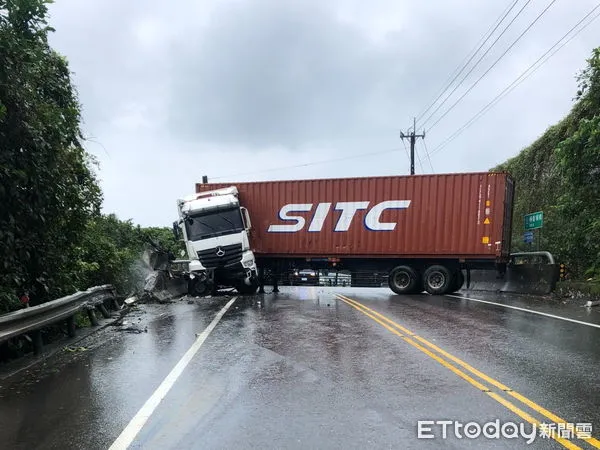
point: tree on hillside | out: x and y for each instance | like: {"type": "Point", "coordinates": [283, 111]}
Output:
{"type": "Point", "coordinates": [589, 83]}
{"type": "Point", "coordinates": [560, 174]}
{"type": "Point", "coordinates": [112, 249]}
{"type": "Point", "coordinates": [48, 190]}
{"type": "Point", "coordinates": [579, 164]}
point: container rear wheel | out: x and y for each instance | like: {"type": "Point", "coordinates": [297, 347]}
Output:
{"type": "Point", "coordinates": [438, 280]}
{"type": "Point", "coordinates": [404, 280]}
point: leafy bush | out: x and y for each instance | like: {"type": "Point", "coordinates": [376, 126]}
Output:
{"type": "Point", "coordinates": [111, 252]}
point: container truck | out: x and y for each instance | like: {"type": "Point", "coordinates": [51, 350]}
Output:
{"type": "Point", "coordinates": [214, 227]}
{"type": "Point", "coordinates": [424, 231]}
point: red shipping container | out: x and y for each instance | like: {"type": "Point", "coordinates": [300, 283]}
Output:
{"type": "Point", "coordinates": [463, 215]}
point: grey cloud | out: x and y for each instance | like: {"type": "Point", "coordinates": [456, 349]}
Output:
{"type": "Point", "coordinates": [289, 73]}
{"type": "Point", "coordinates": [258, 80]}
{"type": "Point", "coordinates": [108, 68]}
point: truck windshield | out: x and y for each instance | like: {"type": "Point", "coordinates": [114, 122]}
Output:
{"type": "Point", "coordinates": [213, 224]}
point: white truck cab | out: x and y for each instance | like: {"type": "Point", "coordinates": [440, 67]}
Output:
{"type": "Point", "coordinates": [215, 229]}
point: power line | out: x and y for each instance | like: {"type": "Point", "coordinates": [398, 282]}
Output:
{"type": "Point", "coordinates": [406, 150]}
{"type": "Point", "coordinates": [361, 155]}
{"type": "Point", "coordinates": [428, 156]}
{"type": "Point", "coordinates": [419, 159]}
{"type": "Point", "coordinates": [494, 64]}
{"type": "Point", "coordinates": [477, 63]}
{"type": "Point", "coordinates": [463, 65]}
{"type": "Point", "coordinates": [526, 74]}
{"type": "Point", "coordinates": [506, 91]}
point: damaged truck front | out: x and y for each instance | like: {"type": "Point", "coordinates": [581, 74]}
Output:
{"type": "Point", "coordinates": [215, 229]}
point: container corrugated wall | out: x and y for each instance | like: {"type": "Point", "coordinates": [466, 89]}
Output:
{"type": "Point", "coordinates": [454, 215]}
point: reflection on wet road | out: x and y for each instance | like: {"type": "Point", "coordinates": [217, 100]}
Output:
{"type": "Point", "coordinates": [307, 369]}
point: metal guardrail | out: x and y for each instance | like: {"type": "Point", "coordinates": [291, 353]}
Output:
{"type": "Point", "coordinates": [527, 273]}
{"type": "Point", "coordinates": [36, 317]}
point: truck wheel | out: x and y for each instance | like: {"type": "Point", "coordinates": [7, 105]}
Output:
{"type": "Point", "coordinates": [244, 289]}
{"type": "Point", "coordinates": [197, 287]}
{"type": "Point", "coordinates": [438, 280]}
{"type": "Point", "coordinates": [403, 280]}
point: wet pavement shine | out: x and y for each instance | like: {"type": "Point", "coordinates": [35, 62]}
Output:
{"type": "Point", "coordinates": [308, 369]}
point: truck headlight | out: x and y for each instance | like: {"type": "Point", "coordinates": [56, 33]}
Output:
{"type": "Point", "coordinates": [248, 260]}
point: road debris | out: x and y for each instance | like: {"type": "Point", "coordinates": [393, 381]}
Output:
{"type": "Point", "coordinates": [72, 349]}
{"type": "Point", "coordinates": [134, 329]}
{"type": "Point", "coordinates": [131, 300]}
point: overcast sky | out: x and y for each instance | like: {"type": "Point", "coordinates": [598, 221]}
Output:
{"type": "Point", "coordinates": [231, 88]}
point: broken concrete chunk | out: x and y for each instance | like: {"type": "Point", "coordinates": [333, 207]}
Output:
{"type": "Point", "coordinates": [131, 300]}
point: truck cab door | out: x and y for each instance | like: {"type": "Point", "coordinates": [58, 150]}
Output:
{"type": "Point", "coordinates": [246, 219]}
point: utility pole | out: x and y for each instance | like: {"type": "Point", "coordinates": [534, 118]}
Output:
{"type": "Point", "coordinates": [412, 137]}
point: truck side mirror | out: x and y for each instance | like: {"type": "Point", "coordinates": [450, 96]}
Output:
{"type": "Point", "coordinates": [176, 230]}
{"type": "Point", "coordinates": [246, 217]}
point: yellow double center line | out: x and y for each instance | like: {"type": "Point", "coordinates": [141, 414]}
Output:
{"type": "Point", "coordinates": [417, 341]}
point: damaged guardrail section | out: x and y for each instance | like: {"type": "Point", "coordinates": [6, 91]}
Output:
{"type": "Point", "coordinates": [528, 273]}
{"type": "Point", "coordinates": [31, 320]}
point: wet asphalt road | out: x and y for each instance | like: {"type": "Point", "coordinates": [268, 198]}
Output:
{"type": "Point", "coordinates": [303, 369]}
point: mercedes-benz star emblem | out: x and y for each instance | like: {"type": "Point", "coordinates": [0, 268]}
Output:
{"type": "Point", "coordinates": [220, 252]}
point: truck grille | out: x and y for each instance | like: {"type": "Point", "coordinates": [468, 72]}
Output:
{"type": "Point", "coordinates": [232, 254]}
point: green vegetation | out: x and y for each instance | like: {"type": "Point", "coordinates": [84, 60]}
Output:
{"type": "Point", "coordinates": [110, 252]}
{"type": "Point", "coordinates": [53, 238]}
{"type": "Point", "coordinates": [578, 289]}
{"type": "Point", "coordinates": [560, 174]}
{"type": "Point", "coordinates": [82, 320]}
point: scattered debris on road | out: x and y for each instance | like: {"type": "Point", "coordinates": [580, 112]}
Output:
{"type": "Point", "coordinates": [72, 349]}
{"type": "Point", "coordinates": [131, 300]}
{"type": "Point", "coordinates": [133, 329]}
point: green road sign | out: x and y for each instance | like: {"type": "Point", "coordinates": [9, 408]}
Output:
{"type": "Point", "coordinates": [534, 220]}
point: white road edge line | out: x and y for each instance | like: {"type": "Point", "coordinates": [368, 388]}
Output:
{"type": "Point", "coordinates": [595, 325]}
{"type": "Point", "coordinates": [139, 420]}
